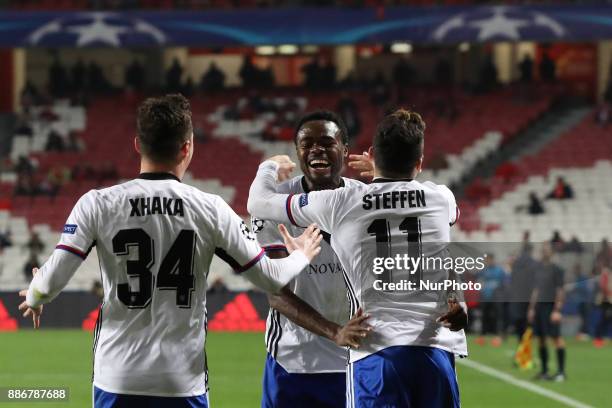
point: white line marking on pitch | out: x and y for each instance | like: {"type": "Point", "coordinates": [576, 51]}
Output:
{"type": "Point", "coordinates": [500, 375]}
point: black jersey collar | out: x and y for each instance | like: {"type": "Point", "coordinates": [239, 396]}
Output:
{"type": "Point", "coordinates": [390, 180]}
{"type": "Point", "coordinates": [158, 176]}
{"type": "Point", "coordinates": [307, 190]}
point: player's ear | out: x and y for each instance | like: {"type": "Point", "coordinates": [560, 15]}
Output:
{"type": "Point", "coordinates": [371, 152]}
{"type": "Point", "coordinates": [136, 144]}
{"type": "Point", "coordinates": [185, 149]}
{"type": "Point", "coordinates": [419, 165]}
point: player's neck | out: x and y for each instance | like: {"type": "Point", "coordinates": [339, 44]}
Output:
{"type": "Point", "coordinates": [150, 167]}
{"type": "Point", "coordinates": [331, 185]}
{"type": "Point", "coordinates": [393, 176]}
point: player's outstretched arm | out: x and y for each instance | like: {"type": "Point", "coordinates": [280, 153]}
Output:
{"type": "Point", "coordinates": [273, 274]}
{"type": "Point", "coordinates": [264, 202]}
{"type": "Point", "coordinates": [47, 283]}
{"type": "Point", "coordinates": [27, 310]}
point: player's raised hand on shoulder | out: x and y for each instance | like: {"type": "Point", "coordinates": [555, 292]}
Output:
{"type": "Point", "coordinates": [309, 242]}
{"type": "Point", "coordinates": [354, 331]}
{"type": "Point", "coordinates": [456, 318]}
{"type": "Point", "coordinates": [35, 312]}
{"type": "Point", "coordinates": [285, 166]}
{"type": "Point", "coordinates": [363, 163]}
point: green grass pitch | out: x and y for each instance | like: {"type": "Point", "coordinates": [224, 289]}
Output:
{"type": "Point", "coordinates": [62, 358]}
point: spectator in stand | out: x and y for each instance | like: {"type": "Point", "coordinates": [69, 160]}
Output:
{"type": "Point", "coordinates": [135, 75]}
{"type": "Point", "coordinates": [404, 73]}
{"type": "Point", "coordinates": [380, 94]}
{"type": "Point", "coordinates": [535, 206]}
{"type": "Point", "coordinates": [96, 80]}
{"type": "Point", "coordinates": [55, 142]}
{"type": "Point", "coordinates": [248, 73]}
{"type": "Point", "coordinates": [312, 74]}
{"type": "Point", "coordinates": [5, 239]}
{"type": "Point", "coordinates": [57, 177]}
{"type": "Point", "coordinates": [573, 245]}
{"type": "Point", "coordinates": [58, 79]}
{"type": "Point", "coordinates": [24, 166]}
{"type": "Point", "coordinates": [604, 301]}
{"type": "Point", "coordinates": [526, 69]}
{"type": "Point", "coordinates": [493, 279]}
{"type": "Point", "coordinates": [35, 246]}
{"type": "Point", "coordinates": [348, 111]}
{"type": "Point", "coordinates": [25, 185]}
{"type": "Point", "coordinates": [75, 143]}
{"type": "Point", "coordinates": [30, 264]}
{"type": "Point", "coordinates": [350, 82]}
{"type": "Point", "coordinates": [29, 96]}
{"type": "Point", "coordinates": [23, 126]}
{"type": "Point", "coordinates": [328, 74]}
{"type": "Point", "coordinates": [557, 242]}
{"type": "Point", "coordinates": [213, 79]}
{"type": "Point", "coordinates": [548, 68]}
{"type": "Point", "coordinates": [188, 88]}
{"type": "Point", "coordinates": [562, 190]}
{"type": "Point", "coordinates": [488, 74]}
{"type": "Point", "coordinates": [266, 77]}
{"type": "Point", "coordinates": [522, 275]}
{"type": "Point", "coordinates": [174, 76]}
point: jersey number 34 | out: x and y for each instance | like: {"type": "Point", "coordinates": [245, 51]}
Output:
{"type": "Point", "coordinates": [175, 271]}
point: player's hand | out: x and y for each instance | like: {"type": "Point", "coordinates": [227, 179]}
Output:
{"type": "Point", "coordinates": [35, 312]}
{"type": "Point", "coordinates": [363, 163]}
{"type": "Point", "coordinates": [354, 331]}
{"type": "Point", "coordinates": [456, 318]}
{"type": "Point", "coordinates": [555, 316]}
{"type": "Point", "coordinates": [285, 167]}
{"type": "Point", "coordinates": [530, 315]}
{"type": "Point", "coordinates": [309, 242]}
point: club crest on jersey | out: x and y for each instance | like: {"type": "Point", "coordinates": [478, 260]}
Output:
{"type": "Point", "coordinates": [70, 228]}
{"type": "Point", "coordinates": [303, 200]}
{"type": "Point", "coordinates": [246, 231]}
{"type": "Point", "coordinates": [257, 225]}
{"type": "Point", "coordinates": [156, 205]}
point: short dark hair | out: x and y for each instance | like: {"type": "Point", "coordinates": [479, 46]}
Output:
{"type": "Point", "coordinates": [398, 142]}
{"type": "Point", "coordinates": [163, 124]}
{"type": "Point", "coordinates": [321, 114]}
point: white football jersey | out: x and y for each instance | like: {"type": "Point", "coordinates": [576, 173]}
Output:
{"type": "Point", "coordinates": [155, 239]}
{"type": "Point", "coordinates": [382, 219]}
{"type": "Point", "coordinates": [322, 286]}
